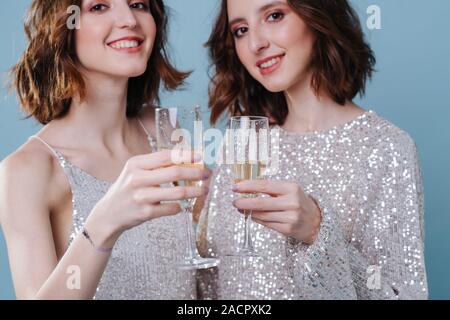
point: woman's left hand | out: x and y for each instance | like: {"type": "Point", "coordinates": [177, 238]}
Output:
{"type": "Point", "coordinates": [288, 210]}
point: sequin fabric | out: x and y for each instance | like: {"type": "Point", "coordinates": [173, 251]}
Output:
{"type": "Point", "coordinates": [142, 263]}
{"type": "Point", "coordinates": [366, 178]}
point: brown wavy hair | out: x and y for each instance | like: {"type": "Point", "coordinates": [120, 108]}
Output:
{"type": "Point", "coordinates": [46, 77]}
{"type": "Point", "coordinates": [341, 62]}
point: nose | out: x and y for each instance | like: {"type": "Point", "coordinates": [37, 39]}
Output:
{"type": "Point", "coordinates": [125, 18]}
{"type": "Point", "coordinates": [257, 40]}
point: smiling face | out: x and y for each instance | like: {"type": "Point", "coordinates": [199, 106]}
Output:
{"type": "Point", "coordinates": [116, 37]}
{"type": "Point", "coordinates": [272, 42]}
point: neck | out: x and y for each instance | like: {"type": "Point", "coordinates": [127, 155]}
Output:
{"type": "Point", "coordinates": [310, 112]}
{"type": "Point", "coordinates": [100, 117]}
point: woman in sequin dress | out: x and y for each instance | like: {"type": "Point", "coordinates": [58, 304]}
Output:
{"type": "Point", "coordinates": [80, 201]}
{"type": "Point", "coordinates": [348, 188]}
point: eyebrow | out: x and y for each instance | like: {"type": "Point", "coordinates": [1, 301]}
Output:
{"type": "Point", "coordinates": [263, 8]}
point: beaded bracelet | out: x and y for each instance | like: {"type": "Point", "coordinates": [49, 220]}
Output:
{"type": "Point", "coordinates": [99, 249]}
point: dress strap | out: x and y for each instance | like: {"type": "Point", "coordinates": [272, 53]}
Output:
{"type": "Point", "coordinates": [143, 127]}
{"type": "Point", "coordinates": [151, 140]}
{"type": "Point", "coordinates": [57, 155]}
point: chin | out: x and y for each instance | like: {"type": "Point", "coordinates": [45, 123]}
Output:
{"type": "Point", "coordinates": [130, 72]}
{"type": "Point", "coordinates": [136, 74]}
{"type": "Point", "coordinates": [275, 87]}
{"type": "Point", "coordinates": [273, 83]}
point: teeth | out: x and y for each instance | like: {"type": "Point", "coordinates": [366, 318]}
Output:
{"type": "Point", "coordinates": [125, 44]}
{"type": "Point", "coordinates": [270, 63]}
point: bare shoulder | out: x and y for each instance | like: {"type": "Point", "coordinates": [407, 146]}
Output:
{"type": "Point", "coordinates": [29, 160]}
{"type": "Point", "coordinates": [28, 188]}
{"type": "Point", "coordinates": [29, 173]}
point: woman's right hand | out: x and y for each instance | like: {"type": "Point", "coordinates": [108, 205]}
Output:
{"type": "Point", "coordinates": [136, 195]}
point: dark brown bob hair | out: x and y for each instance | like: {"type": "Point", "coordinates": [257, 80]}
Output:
{"type": "Point", "coordinates": [46, 77]}
{"type": "Point", "coordinates": [342, 62]}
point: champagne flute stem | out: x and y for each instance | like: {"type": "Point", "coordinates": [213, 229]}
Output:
{"type": "Point", "coordinates": [248, 245]}
{"type": "Point", "coordinates": [191, 251]}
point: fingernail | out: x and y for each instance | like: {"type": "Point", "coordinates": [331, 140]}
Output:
{"type": "Point", "coordinates": [235, 187]}
{"type": "Point", "coordinates": [206, 175]}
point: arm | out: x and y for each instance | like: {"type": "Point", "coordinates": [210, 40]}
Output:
{"type": "Point", "coordinates": [322, 269]}
{"type": "Point", "coordinates": [389, 233]}
{"type": "Point", "coordinates": [37, 273]}
{"type": "Point", "coordinates": [28, 233]}
{"type": "Point", "coordinates": [315, 246]}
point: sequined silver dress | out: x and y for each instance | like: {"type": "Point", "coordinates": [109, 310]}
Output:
{"type": "Point", "coordinates": [366, 179]}
{"type": "Point", "coordinates": [142, 264]}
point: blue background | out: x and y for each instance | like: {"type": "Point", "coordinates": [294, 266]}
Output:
{"type": "Point", "coordinates": [411, 89]}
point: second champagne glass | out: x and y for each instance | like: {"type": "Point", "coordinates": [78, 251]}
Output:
{"type": "Point", "coordinates": [247, 151]}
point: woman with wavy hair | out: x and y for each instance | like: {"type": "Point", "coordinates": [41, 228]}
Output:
{"type": "Point", "coordinates": [80, 202]}
{"type": "Point", "coordinates": [348, 186]}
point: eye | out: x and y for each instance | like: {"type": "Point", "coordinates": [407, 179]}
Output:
{"type": "Point", "coordinates": [239, 32]}
{"type": "Point", "coordinates": [139, 6]}
{"type": "Point", "coordinates": [275, 16]}
{"type": "Point", "coordinates": [98, 7]}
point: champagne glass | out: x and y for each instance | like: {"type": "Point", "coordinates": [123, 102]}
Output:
{"type": "Point", "coordinates": [181, 129]}
{"type": "Point", "coordinates": [247, 151]}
